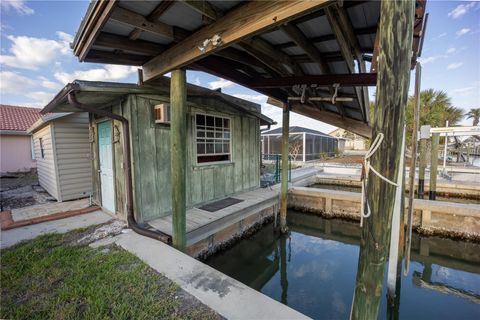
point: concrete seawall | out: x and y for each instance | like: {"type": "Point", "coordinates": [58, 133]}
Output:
{"type": "Point", "coordinates": [456, 220]}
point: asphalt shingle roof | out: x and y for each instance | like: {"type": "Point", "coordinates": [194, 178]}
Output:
{"type": "Point", "coordinates": [17, 118]}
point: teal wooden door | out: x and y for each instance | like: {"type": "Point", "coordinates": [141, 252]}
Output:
{"type": "Point", "coordinates": [106, 165]}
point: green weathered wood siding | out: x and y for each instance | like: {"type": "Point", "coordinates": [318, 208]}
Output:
{"type": "Point", "coordinates": [150, 144]}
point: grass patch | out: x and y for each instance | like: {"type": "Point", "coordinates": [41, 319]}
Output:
{"type": "Point", "coordinates": [49, 278]}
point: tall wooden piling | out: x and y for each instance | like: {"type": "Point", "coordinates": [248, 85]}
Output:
{"type": "Point", "coordinates": [178, 140]}
{"type": "Point", "coordinates": [421, 168]}
{"type": "Point", "coordinates": [432, 194]}
{"type": "Point", "coordinates": [393, 75]}
{"type": "Point", "coordinates": [284, 179]}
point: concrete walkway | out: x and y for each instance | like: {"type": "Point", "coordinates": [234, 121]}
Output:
{"type": "Point", "coordinates": [227, 296]}
{"type": "Point", "coordinates": [14, 236]}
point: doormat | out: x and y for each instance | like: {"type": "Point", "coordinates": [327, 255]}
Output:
{"type": "Point", "coordinates": [220, 204]}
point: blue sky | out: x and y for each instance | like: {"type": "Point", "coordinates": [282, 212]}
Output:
{"type": "Point", "coordinates": [36, 61]}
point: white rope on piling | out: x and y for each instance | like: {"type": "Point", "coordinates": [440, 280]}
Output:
{"type": "Point", "coordinates": [365, 170]}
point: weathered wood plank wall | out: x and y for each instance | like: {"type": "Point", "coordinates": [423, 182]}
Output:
{"type": "Point", "coordinates": [150, 144]}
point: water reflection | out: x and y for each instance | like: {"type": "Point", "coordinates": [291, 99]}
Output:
{"type": "Point", "coordinates": [313, 268]}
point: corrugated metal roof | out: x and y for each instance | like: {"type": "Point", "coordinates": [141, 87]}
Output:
{"type": "Point", "coordinates": [184, 19]}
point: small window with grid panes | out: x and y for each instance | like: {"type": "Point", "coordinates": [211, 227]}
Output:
{"type": "Point", "coordinates": [212, 138]}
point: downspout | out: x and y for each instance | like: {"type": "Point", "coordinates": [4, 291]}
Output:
{"type": "Point", "coordinates": [132, 223]}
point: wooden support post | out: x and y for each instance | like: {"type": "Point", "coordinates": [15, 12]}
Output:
{"type": "Point", "coordinates": [432, 194]}
{"type": "Point", "coordinates": [421, 168]}
{"type": "Point", "coordinates": [395, 43]}
{"type": "Point", "coordinates": [284, 179]}
{"type": "Point", "coordinates": [178, 140]}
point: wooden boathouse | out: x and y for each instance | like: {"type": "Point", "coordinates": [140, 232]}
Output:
{"type": "Point", "coordinates": [315, 58]}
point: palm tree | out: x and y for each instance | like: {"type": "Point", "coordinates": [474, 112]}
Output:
{"type": "Point", "coordinates": [453, 114]}
{"type": "Point", "coordinates": [474, 114]}
{"type": "Point", "coordinates": [435, 109]}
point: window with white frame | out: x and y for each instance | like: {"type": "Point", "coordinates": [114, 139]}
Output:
{"type": "Point", "coordinates": [212, 138]}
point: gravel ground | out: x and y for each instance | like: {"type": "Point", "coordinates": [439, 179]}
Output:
{"type": "Point", "coordinates": [21, 190]}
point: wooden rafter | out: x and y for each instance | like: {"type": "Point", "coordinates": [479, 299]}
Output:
{"type": "Point", "coordinates": [329, 37]}
{"type": "Point", "coordinates": [222, 68]}
{"type": "Point", "coordinates": [141, 47]}
{"type": "Point", "coordinates": [268, 55]}
{"type": "Point", "coordinates": [238, 24]}
{"type": "Point", "coordinates": [138, 21]}
{"type": "Point", "coordinates": [345, 48]}
{"type": "Point", "coordinates": [205, 8]}
{"type": "Point", "coordinates": [325, 80]}
{"type": "Point", "coordinates": [302, 41]}
{"type": "Point", "coordinates": [154, 15]}
{"type": "Point", "coordinates": [311, 111]}
{"type": "Point", "coordinates": [347, 28]}
{"type": "Point", "coordinates": [102, 11]}
{"type": "Point", "coordinates": [115, 57]}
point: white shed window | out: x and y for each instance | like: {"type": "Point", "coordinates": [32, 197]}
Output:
{"type": "Point", "coordinates": [213, 138]}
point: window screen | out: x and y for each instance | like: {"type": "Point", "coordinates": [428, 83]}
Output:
{"type": "Point", "coordinates": [213, 138]}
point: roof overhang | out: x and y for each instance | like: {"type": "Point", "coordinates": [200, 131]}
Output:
{"type": "Point", "coordinates": [282, 49]}
{"type": "Point", "coordinates": [104, 94]}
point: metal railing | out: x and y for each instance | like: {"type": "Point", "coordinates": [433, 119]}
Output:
{"type": "Point", "coordinates": [271, 169]}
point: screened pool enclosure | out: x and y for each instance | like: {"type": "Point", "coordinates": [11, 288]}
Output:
{"type": "Point", "coordinates": [304, 144]}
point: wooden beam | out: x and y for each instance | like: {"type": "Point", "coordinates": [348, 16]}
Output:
{"type": "Point", "coordinates": [100, 15]}
{"type": "Point", "coordinates": [138, 21]}
{"type": "Point", "coordinates": [240, 56]}
{"type": "Point", "coordinates": [178, 143]}
{"type": "Point", "coordinates": [395, 43]}
{"type": "Point", "coordinates": [358, 127]}
{"type": "Point", "coordinates": [304, 43]}
{"type": "Point", "coordinates": [247, 20]}
{"type": "Point", "coordinates": [110, 40]}
{"type": "Point", "coordinates": [345, 80]}
{"type": "Point", "coordinates": [345, 41]}
{"type": "Point", "coordinates": [347, 28]}
{"type": "Point", "coordinates": [221, 68]}
{"type": "Point", "coordinates": [154, 15]}
{"type": "Point", "coordinates": [204, 7]}
{"type": "Point", "coordinates": [97, 56]}
{"type": "Point", "coordinates": [274, 59]}
{"type": "Point", "coordinates": [284, 171]}
{"type": "Point", "coordinates": [330, 37]}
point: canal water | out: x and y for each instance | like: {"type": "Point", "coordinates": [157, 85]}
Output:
{"type": "Point", "coordinates": [313, 269]}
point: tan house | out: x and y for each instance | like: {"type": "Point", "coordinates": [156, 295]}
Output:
{"type": "Point", "coordinates": [62, 149]}
{"type": "Point", "coordinates": [15, 142]}
{"type": "Point", "coordinates": [351, 141]}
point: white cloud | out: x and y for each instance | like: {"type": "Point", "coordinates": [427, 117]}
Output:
{"type": "Point", "coordinates": [220, 83]}
{"type": "Point", "coordinates": [257, 98]}
{"type": "Point", "coordinates": [461, 10]}
{"type": "Point", "coordinates": [464, 91]}
{"type": "Point", "coordinates": [46, 83]}
{"type": "Point", "coordinates": [11, 82]}
{"type": "Point", "coordinates": [463, 31]}
{"type": "Point", "coordinates": [197, 81]}
{"type": "Point", "coordinates": [428, 59]}
{"type": "Point", "coordinates": [41, 98]}
{"type": "Point", "coordinates": [454, 65]}
{"type": "Point", "coordinates": [107, 73]}
{"type": "Point", "coordinates": [451, 50]}
{"type": "Point", "coordinates": [18, 5]}
{"type": "Point", "coordinates": [441, 35]}
{"type": "Point", "coordinates": [31, 53]}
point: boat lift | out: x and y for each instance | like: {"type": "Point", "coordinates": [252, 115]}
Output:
{"type": "Point", "coordinates": [426, 131]}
